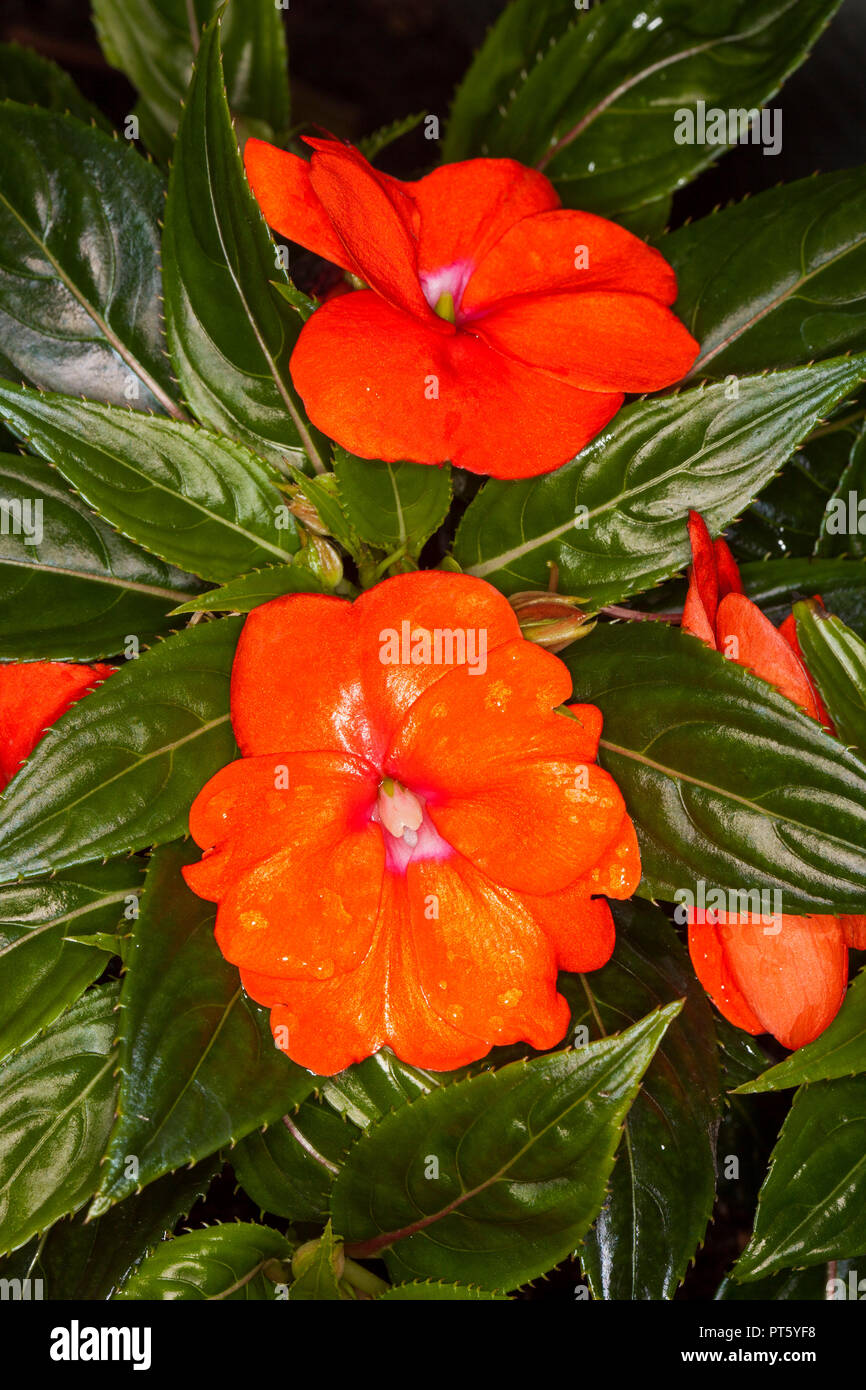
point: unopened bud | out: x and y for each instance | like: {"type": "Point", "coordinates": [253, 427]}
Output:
{"type": "Point", "coordinates": [550, 620]}
{"type": "Point", "coordinates": [322, 559]}
{"type": "Point", "coordinates": [301, 506]}
{"type": "Point", "coordinates": [306, 1254]}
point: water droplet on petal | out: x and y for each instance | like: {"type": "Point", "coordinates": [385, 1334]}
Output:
{"type": "Point", "coordinates": [325, 969]}
{"type": "Point", "coordinates": [253, 921]}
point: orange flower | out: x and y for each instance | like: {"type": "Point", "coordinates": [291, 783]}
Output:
{"type": "Point", "coordinates": [497, 329]}
{"type": "Point", "coordinates": [33, 695]}
{"type": "Point", "coordinates": [786, 976]}
{"type": "Point", "coordinates": [414, 840]}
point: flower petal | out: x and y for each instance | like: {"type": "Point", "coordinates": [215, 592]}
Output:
{"type": "Point", "coordinates": [581, 928]}
{"type": "Point", "coordinates": [282, 188]}
{"type": "Point", "coordinates": [543, 253]}
{"type": "Point", "coordinates": [472, 970]}
{"type": "Point", "coordinates": [296, 680]}
{"type": "Point", "coordinates": [538, 828]}
{"type": "Point", "coordinates": [306, 914]}
{"type": "Point", "coordinates": [758, 646]}
{"type": "Point", "coordinates": [373, 220]}
{"type": "Point", "coordinates": [255, 808]}
{"type": "Point", "coordinates": [33, 695]}
{"type": "Point", "coordinates": [854, 931]}
{"type": "Point", "coordinates": [465, 208]}
{"type": "Point", "coordinates": [594, 341]}
{"type": "Point", "coordinates": [792, 974]}
{"type": "Point", "coordinates": [727, 569]}
{"type": "Point", "coordinates": [384, 386]}
{"type": "Point", "coordinates": [510, 711]}
{"type": "Point", "coordinates": [702, 599]}
{"type": "Point", "coordinates": [479, 619]}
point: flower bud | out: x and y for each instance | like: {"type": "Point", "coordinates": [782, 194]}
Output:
{"type": "Point", "coordinates": [301, 506]}
{"type": "Point", "coordinates": [550, 620]}
{"type": "Point", "coordinates": [322, 559]}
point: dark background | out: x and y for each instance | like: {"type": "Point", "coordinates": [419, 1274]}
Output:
{"type": "Point", "coordinates": [359, 64]}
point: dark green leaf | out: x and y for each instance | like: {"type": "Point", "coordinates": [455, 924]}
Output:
{"type": "Point", "coordinates": [154, 43]}
{"type": "Point", "coordinates": [843, 523]}
{"type": "Point", "coordinates": [663, 1186]}
{"type": "Point", "coordinates": [244, 594]}
{"type": "Point", "coordinates": [775, 584]}
{"type": "Point", "coordinates": [778, 280]}
{"type": "Point", "coordinates": [613, 519]}
{"type": "Point", "coordinates": [79, 280]}
{"type": "Point", "coordinates": [367, 1091]}
{"type": "Point", "coordinates": [742, 1058]}
{"type": "Point", "coordinates": [57, 1100]}
{"type": "Point", "coordinates": [836, 658]}
{"type": "Point", "coordinates": [703, 752]}
{"type": "Point", "coordinates": [786, 519]}
{"type": "Point", "coordinates": [91, 1259]}
{"type": "Point", "coordinates": [191, 497]}
{"type": "Point", "coordinates": [839, 1051]}
{"type": "Point", "coordinates": [812, 1207]}
{"type": "Point", "coordinates": [794, 1284]}
{"type": "Point", "coordinates": [27, 77]}
{"type": "Point", "coordinates": [119, 770]}
{"type": "Point", "coordinates": [198, 1065]}
{"type": "Point", "coordinates": [224, 1262]}
{"type": "Point", "coordinates": [84, 589]}
{"type": "Point", "coordinates": [230, 332]}
{"type": "Point", "coordinates": [592, 97]}
{"type": "Point", "coordinates": [496, 1178]}
{"type": "Point", "coordinates": [392, 505]}
{"type": "Point", "coordinates": [429, 1292]}
{"type": "Point", "coordinates": [289, 1172]}
{"type": "Point", "coordinates": [41, 971]}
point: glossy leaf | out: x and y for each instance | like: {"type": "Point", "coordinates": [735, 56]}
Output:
{"type": "Point", "coordinates": [118, 772]}
{"type": "Point", "coordinates": [663, 1186]}
{"type": "Point", "coordinates": [429, 1292]}
{"type": "Point", "coordinates": [220, 1263]}
{"type": "Point", "coordinates": [523, 1155]}
{"type": "Point", "coordinates": [393, 505]}
{"type": "Point", "coordinates": [57, 1098]}
{"type": "Point", "coordinates": [91, 1259]}
{"type": "Point", "coordinates": [197, 1062]}
{"type": "Point", "coordinates": [28, 77]}
{"type": "Point", "coordinates": [836, 658]}
{"type": "Point", "coordinates": [42, 972]}
{"type": "Point", "coordinates": [795, 1285]}
{"type": "Point", "coordinates": [812, 1207]}
{"type": "Point", "coordinates": [776, 584]}
{"type": "Point", "coordinates": [154, 42]}
{"type": "Point", "coordinates": [592, 96]}
{"type": "Point", "coordinates": [79, 280]}
{"type": "Point", "coordinates": [367, 1091]}
{"type": "Point", "coordinates": [614, 519]}
{"type": "Point", "coordinates": [230, 332]}
{"type": "Point", "coordinates": [777, 280]}
{"type": "Point", "coordinates": [246, 593]}
{"type": "Point", "coordinates": [787, 517]}
{"type": "Point", "coordinates": [703, 751]}
{"type": "Point", "coordinates": [289, 1171]}
{"type": "Point", "coordinates": [84, 589]}
{"type": "Point", "coordinates": [196, 500]}
{"type": "Point", "coordinates": [843, 523]}
{"type": "Point", "coordinates": [839, 1051]}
